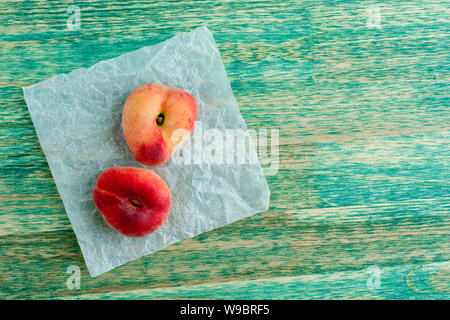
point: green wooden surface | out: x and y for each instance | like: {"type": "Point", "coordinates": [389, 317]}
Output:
{"type": "Point", "coordinates": [363, 115]}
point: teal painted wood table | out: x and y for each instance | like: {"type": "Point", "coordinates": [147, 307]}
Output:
{"type": "Point", "coordinates": [360, 203]}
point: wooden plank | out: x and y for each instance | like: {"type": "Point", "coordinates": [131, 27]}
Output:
{"type": "Point", "coordinates": [282, 242]}
{"type": "Point", "coordinates": [430, 281]}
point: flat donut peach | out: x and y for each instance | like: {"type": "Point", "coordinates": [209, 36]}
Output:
{"type": "Point", "coordinates": [133, 201]}
{"type": "Point", "coordinates": [155, 120]}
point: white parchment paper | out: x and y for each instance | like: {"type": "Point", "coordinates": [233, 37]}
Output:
{"type": "Point", "coordinates": [77, 117]}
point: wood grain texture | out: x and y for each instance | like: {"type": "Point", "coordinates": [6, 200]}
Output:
{"type": "Point", "coordinates": [363, 118]}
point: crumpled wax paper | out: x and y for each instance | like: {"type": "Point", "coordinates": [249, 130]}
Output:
{"type": "Point", "coordinates": [78, 121]}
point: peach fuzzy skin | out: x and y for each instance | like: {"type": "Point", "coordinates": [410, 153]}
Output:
{"type": "Point", "coordinates": [150, 117]}
{"type": "Point", "coordinates": [133, 201]}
